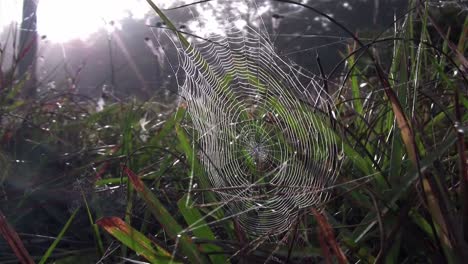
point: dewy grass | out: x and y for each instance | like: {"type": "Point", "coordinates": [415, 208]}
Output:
{"type": "Point", "coordinates": [400, 195]}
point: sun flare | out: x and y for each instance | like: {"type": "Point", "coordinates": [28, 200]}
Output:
{"type": "Point", "coordinates": [65, 20]}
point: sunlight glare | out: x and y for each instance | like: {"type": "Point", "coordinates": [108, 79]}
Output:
{"type": "Point", "coordinates": [10, 11]}
{"type": "Point", "coordinates": [65, 20]}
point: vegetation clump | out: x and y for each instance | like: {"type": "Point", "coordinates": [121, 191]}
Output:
{"type": "Point", "coordinates": [82, 181]}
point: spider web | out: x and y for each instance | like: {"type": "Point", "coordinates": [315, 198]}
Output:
{"type": "Point", "coordinates": [262, 127]}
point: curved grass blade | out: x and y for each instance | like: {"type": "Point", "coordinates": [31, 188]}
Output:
{"type": "Point", "coordinates": [169, 23]}
{"type": "Point", "coordinates": [200, 229]}
{"type": "Point", "coordinates": [403, 188]}
{"type": "Point", "coordinates": [12, 238]}
{"type": "Point", "coordinates": [327, 235]}
{"type": "Point", "coordinates": [134, 240]}
{"type": "Point", "coordinates": [169, 224]}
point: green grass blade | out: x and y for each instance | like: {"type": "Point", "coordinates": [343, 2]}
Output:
{"type": "Point", "coordinates": [396, 154]}
{"type": "Point", "coordinates": [355, 89]}
{"type": "Point", "coordinates": [394, 251]}
{"type": "Point", "coordinates": [186, 147]}
{"type": "Point", "coordinates": [168, 126]}
{"type": "Point", "coordinates": [401, 190]}
{"type": "Point", "coordinates": [134, 240]}
{"type": "Point", "coordinates": [169, 23]}
{"type": "Point", "coordinates": [94, 227]}
{"type": "Point", "coordinates": [59, 237]}
{"type": "Point", "coordinates": [200, 229]}
{"type": "Point", "coordinates": [170, 225]}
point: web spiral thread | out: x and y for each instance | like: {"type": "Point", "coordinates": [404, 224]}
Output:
{"type": "Point", "coordinates": [263, 128]}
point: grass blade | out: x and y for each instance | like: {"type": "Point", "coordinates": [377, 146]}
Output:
{"type": "Point", "coordinates": [59, 237]}
{"type": "Point", "coordinates": [169, 23]}
{"type": "Point", "coordinates": [200, 228]}
{"type": "Point", "coordinates": [326, 232]}
{"type": "Point", "coordinates": [94, 227]}
{"type": "Point", "coordinates": [134, 240]}
{"type": "Point", "coordinates": [169, 224]}
{"type": "Point", "coordinates": [12, 238]}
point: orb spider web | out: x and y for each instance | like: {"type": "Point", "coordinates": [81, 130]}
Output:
{"type": "Point", "coordinates": [263, 129]}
